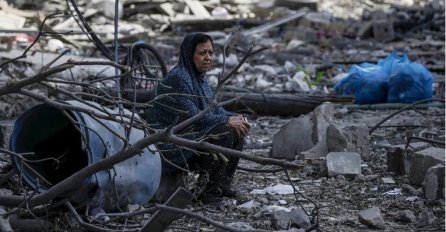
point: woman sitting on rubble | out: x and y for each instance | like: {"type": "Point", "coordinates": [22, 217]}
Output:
{"type": "Point", "coordinates": [186, 92]}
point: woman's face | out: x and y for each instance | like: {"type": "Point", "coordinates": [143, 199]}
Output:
{"type": "Point", "coordinates": [203, 56]}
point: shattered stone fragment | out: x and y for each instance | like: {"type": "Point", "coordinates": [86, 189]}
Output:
{"type": "Point", "coordinates": [425, 218]}
{"type": "Point", "coordinates": [433, 184]}
{"type": "Point", "coordinates": [284, 220]}
{"type": "Point", "coordinates": [372, 217]}
{"type": "Point", "coordinates": [343, 163]}
{"type": "Point", "coordinates": [405, 216]}
{"type": "Point", "coordinates": [419, 162]}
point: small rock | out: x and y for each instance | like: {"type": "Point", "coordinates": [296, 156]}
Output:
{"type": "Point", "coordinates": [276, 189]}
{"type": "Point", "coordinates": [405, 216]}
{"type": "Point", "coordinates": [370, 177]}
{"type": "Point", "coordinates": [343, 163]}
{"type": "Point", "coordinates": [372, 217]}
{"type": "Point", "coordinates": [420, 204]}
{"type": "Point", "coordinates": [290, 67]}
{"type": "Point", "coordinates": [264, 200]}
{"type": "Point", "coordinates": [283, 202]}
{"type": "Point", "coordinates": [425, 219]}
{"type": "Point", "coordinates": [359, 178]}
{"type": "Point", "coordinates": [410, 190]}
{"type": "Point", "coordinates": [412, 199]}
{"type": "Point", "coordinates": [366, 171]}
{"type": "Point", "coordinates": [248, 205]}
{"type": "Point", "coordinates": [388, 180]}
{"type": "Point", "coordinates": [282, 220]}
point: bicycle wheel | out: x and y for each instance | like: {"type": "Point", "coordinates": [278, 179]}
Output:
{"type": "Point", "coordinates": [147, 67]}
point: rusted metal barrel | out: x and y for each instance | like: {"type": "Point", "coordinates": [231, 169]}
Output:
{"type": "Point", "coordinates": [53, 144]}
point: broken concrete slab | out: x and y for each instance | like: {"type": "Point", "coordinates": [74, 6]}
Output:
{"type": "Point", "coordinates": [419, 162]}
{"type": "Point", "coordinates": [405, 216]}
{"type": "Point", "coordinates": [107, 7]}
{"type": "Point", "coordinates": [11, 21]}
{"type": "Point", "coordinates": [343, 163]}
{"type": "Point", "coordinates": [316, 134]}
{"type": "Point", "coordinates": [320, 118]}
{"type": "Point", "coordinates": [397, 156]}
{"type": "Point", "coordinates": [372, 217]}
{"type": "Point", "coordinates": [292, 139]}
{"type": "Point", "coordinates": [353, 138]}
{"type": "Point", "coordinates": [283, 220]}
{"type": "Point", "coordinates": [388, 180]}
{"type": "Point", "coordinates": [433, 184]}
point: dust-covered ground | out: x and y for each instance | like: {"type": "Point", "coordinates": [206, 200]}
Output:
{"type": "Point", "coordinates": [332, 203]}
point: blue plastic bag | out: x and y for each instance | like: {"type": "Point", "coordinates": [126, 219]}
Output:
{"type": "Point", "coordinates": [368, 82]}
{"type": "Point", "coordinates": [393, 79]}
{"type": "Point", "coordinates": [409, 82]}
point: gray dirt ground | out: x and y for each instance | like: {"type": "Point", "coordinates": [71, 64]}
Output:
{"type": "Point", "coordinates": [338, 199]}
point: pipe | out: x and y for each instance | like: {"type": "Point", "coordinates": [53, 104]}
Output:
{"type": "Point", "coordinates": [58, 147]}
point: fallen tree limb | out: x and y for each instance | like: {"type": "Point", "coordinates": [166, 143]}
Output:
{"type": "Point", "coordinates": [258, 103]}
{"type": "Point", "coordinates": [201, 218]}
{"type": "Point", "coordinates": [234, 153]}
{"type": "Point", "coordinates": [29, 224]}
{"type": "Point", "coordinates": [279, 104]}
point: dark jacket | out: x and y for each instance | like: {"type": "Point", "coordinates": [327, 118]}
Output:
{"type": "Point", "coordinates": [188, 94]}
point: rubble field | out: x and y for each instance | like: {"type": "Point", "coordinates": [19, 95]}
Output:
{"type": "Point", "coordinates": [362, 167]}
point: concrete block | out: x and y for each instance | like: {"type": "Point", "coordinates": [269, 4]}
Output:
{"type": "Point", "coordinates": [433, 183]}
{"type": "Point", "coordinates": [419, 162]}
{"type": "Point", "coordinates": [283, 220]}
{"type": "Point", "coordinates": [293, 138]}
{"type": "Point", "coordinates": [372, 217]}
{"type": "Point", "coordinates": [320, 118]}
{"type": "Point", "coordinates": [343, 163]}
{"type": "Point", "coordinates": [316, 134]}
{"type": "Point", "coordinates": [352, 138]}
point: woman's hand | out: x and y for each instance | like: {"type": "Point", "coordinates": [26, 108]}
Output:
{"type": "Point", "coordinates": [239, 125]}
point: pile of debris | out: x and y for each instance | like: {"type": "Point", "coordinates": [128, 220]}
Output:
{"type": "Point", "coordinates": [349, 165]}
{"type": "Point", "coordinates": [312, 42]}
